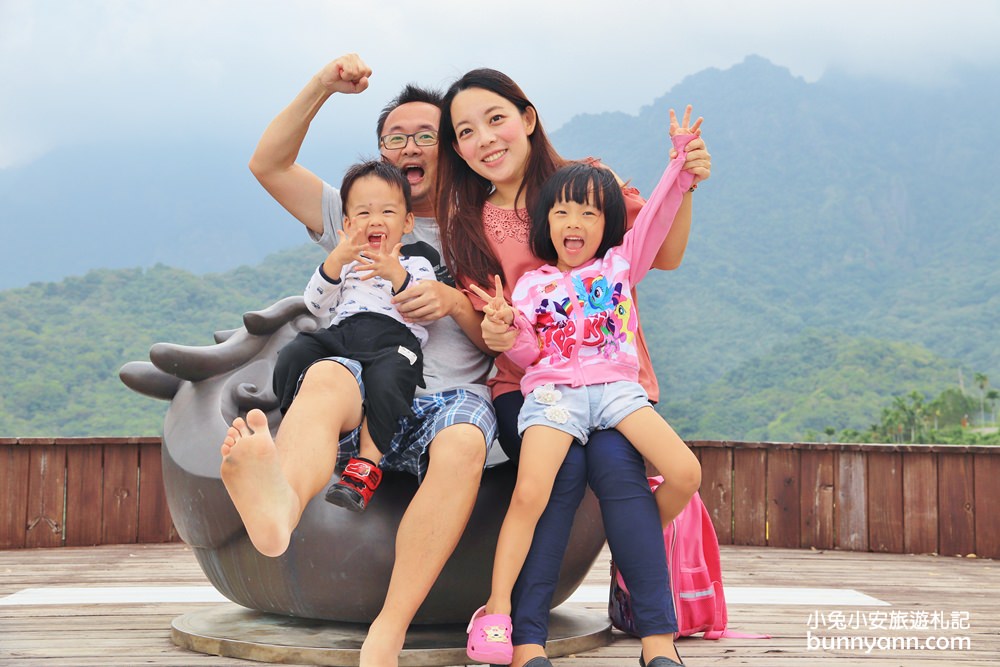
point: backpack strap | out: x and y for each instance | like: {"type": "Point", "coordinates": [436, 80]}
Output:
{"type": "Point", "coordinates": [718, 630]}
{"type": "Point", "coordinates": [732, 634]}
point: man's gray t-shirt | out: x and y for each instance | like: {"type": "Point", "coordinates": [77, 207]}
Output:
{"type": "Point", "coordinates": [451, 360]}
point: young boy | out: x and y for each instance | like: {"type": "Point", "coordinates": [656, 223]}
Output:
{"type": "Point", "coordinates": [354, 286]}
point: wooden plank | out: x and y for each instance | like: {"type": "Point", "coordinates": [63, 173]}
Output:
{"type": "Point", "coordinates": [84, 495]}
{"type": "Point", "coordinates": [717, 490]}
{"type": "Point", "coordinates": [987, 499]}
{"type": "Point", "coordinates": [920, 492]}
{"type": "Point", "coordinates": [154, 515]}
{"type": "Point", "coordinates": [14, 465]}
{"type": "Point", "coordinates": [46, 491]}
{"type": "Point", "coordinates": [783, 514]}
{"type": "Point", "coordinates": [852, 502]}
{"type": "Point", "coordinates": [121, 494]}
{"type": "Point", "coordinates": [816, 505]}
{"type": "Point", "coordinates": [750, 497]}
{"type": "Point", "coordinates": [956, 523]}
{"type": "Point", "coordinates": [885, 502]}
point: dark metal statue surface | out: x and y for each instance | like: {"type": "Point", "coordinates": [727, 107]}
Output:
{"type": "Point", "coordinates": [338, 564]}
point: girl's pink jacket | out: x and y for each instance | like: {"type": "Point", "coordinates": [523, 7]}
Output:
{"type": "Point", "coordinates": [576, 328]}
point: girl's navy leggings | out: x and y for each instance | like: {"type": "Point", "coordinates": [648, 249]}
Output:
{"type": "Point", "coordinates": [617, 474]}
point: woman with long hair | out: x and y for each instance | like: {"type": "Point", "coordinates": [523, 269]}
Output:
{"type": "Point", "coordinates": [493, 160]}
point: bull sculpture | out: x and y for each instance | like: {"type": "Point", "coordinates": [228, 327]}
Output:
{"type": "Point", "coordinates": [338, 564]}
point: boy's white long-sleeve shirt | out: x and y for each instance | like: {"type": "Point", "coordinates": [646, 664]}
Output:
{"type": "Point", "coordinates": [338, 299]}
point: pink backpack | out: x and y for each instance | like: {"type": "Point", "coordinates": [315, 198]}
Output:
{"type": "Point", "coordinates": [695, 577]}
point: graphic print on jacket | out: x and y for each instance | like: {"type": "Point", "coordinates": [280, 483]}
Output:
{"type": "Point", "coordinates": [602, 308]}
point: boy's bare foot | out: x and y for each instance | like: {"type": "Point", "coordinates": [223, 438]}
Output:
{"type": "Point", "coordinates": [252, 474]}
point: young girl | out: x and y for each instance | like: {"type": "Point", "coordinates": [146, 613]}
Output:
{"type": "Point", "coordinates": [493, 160]}
{"type": "Point", "coordinates": [576, 339]}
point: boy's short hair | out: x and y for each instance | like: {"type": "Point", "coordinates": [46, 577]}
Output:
{"type": "Point", "coordinates": [387, 172]}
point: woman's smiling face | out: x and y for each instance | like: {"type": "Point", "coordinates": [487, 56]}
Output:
{"type": "Point", "coordinates": [492, 135]}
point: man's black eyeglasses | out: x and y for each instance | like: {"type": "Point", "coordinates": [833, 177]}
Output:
{"type": "Point", "coordinates": [393, 142]}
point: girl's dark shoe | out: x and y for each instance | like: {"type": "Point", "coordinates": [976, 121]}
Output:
{"type": "Point", "coordinates": [658, 661]}
{"type": "Point", "coordinates": [534, 662]}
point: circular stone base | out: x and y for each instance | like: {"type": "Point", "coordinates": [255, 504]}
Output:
{"type": "Point", "coordinates": [236, 632]}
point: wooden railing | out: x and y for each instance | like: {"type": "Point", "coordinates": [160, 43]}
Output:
{"type": "Point", "coordinates": [82, 492]}
{"type": "Point", "coordinates": [940, 499]}
{"type": "Point", "coordinates": [893, 498]}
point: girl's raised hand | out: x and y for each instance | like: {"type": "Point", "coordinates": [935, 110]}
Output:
{"type": "Point", "coordinates": [496, 308]}
{"type": "Point", "coordinates": [684, 127]}
{"type": "Point", "coordinates": [698, 161]}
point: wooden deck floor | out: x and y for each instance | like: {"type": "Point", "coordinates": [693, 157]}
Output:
{"type": "Point", "coordinates": [918, 590]}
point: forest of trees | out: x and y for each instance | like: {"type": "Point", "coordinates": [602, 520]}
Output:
{"type": "Point", "coordinates": [63, 343]}
{"type": "Point", "coordinates": [953, 417]}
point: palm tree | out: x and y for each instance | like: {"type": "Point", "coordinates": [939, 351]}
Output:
{"type": "Point", "coordinates": [918, 416]}
{"type": "Point", "coordinates": [907, 414]}
{"type": "Point", "coordinates": [992, 395]}
{"type": "Point", "coordinates": [983, 382]}
{"type": "Point", "coordinates": [891, 425]}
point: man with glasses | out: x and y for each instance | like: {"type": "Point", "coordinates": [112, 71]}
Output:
{"type": "Point", "coordinates": [457, 423]}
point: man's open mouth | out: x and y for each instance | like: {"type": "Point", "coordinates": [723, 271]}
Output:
{"type": "Point", "coordinates": [413, 174]}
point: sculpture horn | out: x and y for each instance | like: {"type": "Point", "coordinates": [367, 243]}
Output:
{"type": "Point", "coordinates": [195, 363]}
{"type": "Point", "coordinates": [272, 318]}
{"type": "Point", "coordinates": [144, 378]}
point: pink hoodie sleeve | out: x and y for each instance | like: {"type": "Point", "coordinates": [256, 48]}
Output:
{"type": "Point", "coordinates": [526, 349]}
{"type": "Point", "coordinates": [643, 241]}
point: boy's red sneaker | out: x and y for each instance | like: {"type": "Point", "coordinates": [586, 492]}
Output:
{"type": "Point", "coordinates": [356, 486]}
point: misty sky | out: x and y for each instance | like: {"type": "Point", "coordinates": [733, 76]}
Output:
{"type": "Point", "coordinates": [76, 73]}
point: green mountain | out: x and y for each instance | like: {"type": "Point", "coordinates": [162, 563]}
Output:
{"type": "Point", "coordinates": [843, 253]}
{"type": "Point", "coordinates": [816, 381]}
{"type": "Point", "coordinates": [846, 205]}
{"type": "Point", "coordinates": [61, 344]}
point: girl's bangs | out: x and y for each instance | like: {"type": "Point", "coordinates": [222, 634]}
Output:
{"type": "Point", "coordinates": [582, 186]}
